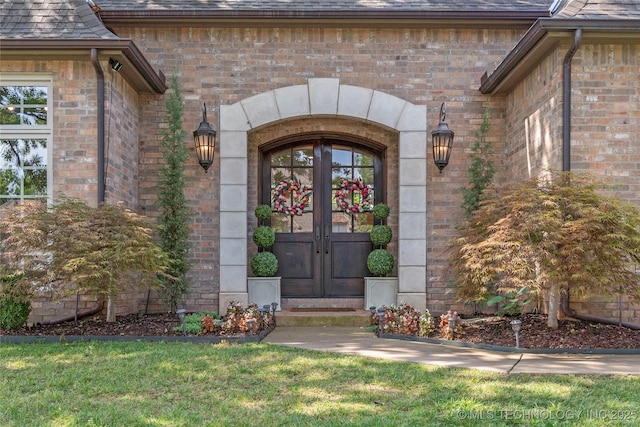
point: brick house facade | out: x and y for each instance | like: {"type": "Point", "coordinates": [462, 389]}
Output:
{"type": "Point", "coordinates": [272, 72]}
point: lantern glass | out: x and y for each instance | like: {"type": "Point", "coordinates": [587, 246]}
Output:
{"type": "Point", "coordinates": [204, 139]}
{"type": "Point", "coordinates": [442, 141]}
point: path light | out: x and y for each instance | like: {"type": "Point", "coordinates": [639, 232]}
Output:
{"type": "Point", "coordinates": [380, 319]}
{"type": "Point", "coordinates": [250, 323]}
{"type": "Point", "coordinates": [372, 310]}
{"type": "Point", "coordinates": [182, 315]}
{"type": "Point", "coordinates": [263, 315]}
{"type": "Point", "coordinates": [516, 325]}
{"type": "Point", "coordinates": [441, 141]}
{"type": "Point", "coordinates": [452, 325]}
{"type": "Point", "coordinates": [204, 139]}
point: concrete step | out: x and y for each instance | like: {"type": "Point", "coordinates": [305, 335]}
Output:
{"type": "Point", "coordinates": [356, 318]}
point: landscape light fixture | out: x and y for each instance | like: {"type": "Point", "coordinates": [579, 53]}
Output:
{"type": "Point", "coordinates": [442, 141]}
{"type": "Point", "coordinates": [182, 315]}
{"type": "Point", "coordinates": [380, 319]}
{"type": "Point", "coordinates": [204, 139]}
{"type": "Point", "coordinates": [516, 325]}
{"type": "Point", "coordinates": [452, 325]}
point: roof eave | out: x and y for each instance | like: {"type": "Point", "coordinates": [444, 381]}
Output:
{"type": "Point", "coordinates": [136, 69]}
{"type": "Point", "coordinates": [326, 18]}
{"type": "Point", "coordinates": [543, 37]}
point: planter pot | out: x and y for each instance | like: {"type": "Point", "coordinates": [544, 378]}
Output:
{"type": "Point", "coordinates": [379, 291]}
{"type": "Point", "coordinates": [264, 290]}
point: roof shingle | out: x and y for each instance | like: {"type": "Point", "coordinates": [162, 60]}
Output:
{"type": "Point", "coordinates": [52, 19]}
{"type": "Point", "coordinates": [599, 9]}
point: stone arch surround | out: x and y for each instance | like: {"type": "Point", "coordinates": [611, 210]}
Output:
{"type": "Point", "coordinates": [324, 97]}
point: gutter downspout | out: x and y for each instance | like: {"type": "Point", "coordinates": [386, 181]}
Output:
{"type": "Point", "coordinates": [100, 78]}
{"type": "Point", "coordinates": [566, 97]}
{"type": "Point", "coordinates": [566, 167]}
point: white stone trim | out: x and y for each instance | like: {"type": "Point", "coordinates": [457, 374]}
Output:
{"type": "Point", "coordinates": [322, 97]}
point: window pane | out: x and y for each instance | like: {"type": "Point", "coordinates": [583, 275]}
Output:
{"type": "Point", "coordinates": [9, 201]}
{"type": "Point", "coordinates": [23, 167]}
{"type": "Point", "coordinates": [281, 158]}
{"type": "Point", "coordinates": [25, 105]}
{"type": "Point", "coordinates": [35, 182]}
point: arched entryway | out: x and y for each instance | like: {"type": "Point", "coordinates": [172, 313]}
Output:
{"type": "Point", "coordinates": [322, 99]}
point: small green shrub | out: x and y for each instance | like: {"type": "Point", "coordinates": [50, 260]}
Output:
{"type": "Point", "coordinates": [381, 211]}
{"type": "Point", "coordinates": [512, 303]}
{"type": "Point", "coordinates": [380, 235]}
{"type": "Point", "coordinates": [380, 262]}
{"type": "Point", "coordinates": [263, 212]}
{"type": "Point", "coordinates": [193, 322]}
{"type": "Point", "coordinates": [264, 236]}
{"type": "Point", "coordinates": [264, 264]}
{"type": "Point", "coordinates": [13, 313]}
{"type": "Point", "coordinates": [15, 300]}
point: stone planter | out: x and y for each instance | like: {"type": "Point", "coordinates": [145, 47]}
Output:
{"type": "Point", "coordinates": [264, 290]}
{"type": "Point", "coordinates": [379, 291]}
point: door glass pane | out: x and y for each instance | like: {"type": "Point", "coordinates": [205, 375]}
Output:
{"type": "Point", "coordinates": [292, 166]}
{"type": "Point", "coordinates": [340, 222]}
{"type": "Point", "coordinates": [351, 164]}
{"type": "Point", "coordinates": [303, 223]}
{"type": "Point", "coordinates": [363, 222]}
{"type": "Point", "coordinates": [341, 156]}
{"type": "Point", "coordinates": [281, 158]}
{"type": "Point", "coordinates": [303, 157]}
{"type": "Point", "coordinates": [280, 223]}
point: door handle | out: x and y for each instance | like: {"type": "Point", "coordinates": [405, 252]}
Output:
{"type": "Point", "coordinates": [317, 239]}
{"type": "Point", "coordinates": [326, 239]}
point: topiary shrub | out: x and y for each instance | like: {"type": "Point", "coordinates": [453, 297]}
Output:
{"type": "Point", "coordinates": [264, 264]}
{"type": "Point", "coordinates": [381, 211]}
{"type": "Point", "coordinates": [263, 212]}
{"type": "Point", "coordinates": [264, 236]}
{"type": "Point", "coordinates": [13, 313]}
{"type": "Point", "coordinates": [380, 262]}
{"type": "Point", "coordinates": [380, 235]}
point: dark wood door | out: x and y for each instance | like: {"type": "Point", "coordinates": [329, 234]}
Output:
{"type": "Point", "coordinates": [323, 252]}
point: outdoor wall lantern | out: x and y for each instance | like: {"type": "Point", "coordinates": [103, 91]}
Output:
{"type": "Point", "coordinates": [205, 141]}
{"type": "Point", "coordinates": [442, 140]}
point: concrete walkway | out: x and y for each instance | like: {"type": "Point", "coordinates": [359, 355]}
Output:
{"type": "Point", "coordinates": [358, 341]}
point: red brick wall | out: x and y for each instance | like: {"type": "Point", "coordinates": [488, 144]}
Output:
{"type": "Point", "coordinates": [605, 131]}
{"type": "Point", "coordinates": [225, 65]}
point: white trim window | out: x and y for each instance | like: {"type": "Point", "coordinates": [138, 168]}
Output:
{"type": "Point", "coordinates": [25, 137]}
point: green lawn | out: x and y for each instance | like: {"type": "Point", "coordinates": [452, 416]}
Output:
{"type": "Point", "coordinates": [172, 384]}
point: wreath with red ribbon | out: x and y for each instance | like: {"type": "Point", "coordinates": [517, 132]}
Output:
{"type": "Point", "coordinates": [362, 196]}
{"type": "Point", "coordinates": [291, 190]}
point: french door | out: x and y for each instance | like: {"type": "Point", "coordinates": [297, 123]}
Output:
{"type": "Point", "coordinates": [323, 252]}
